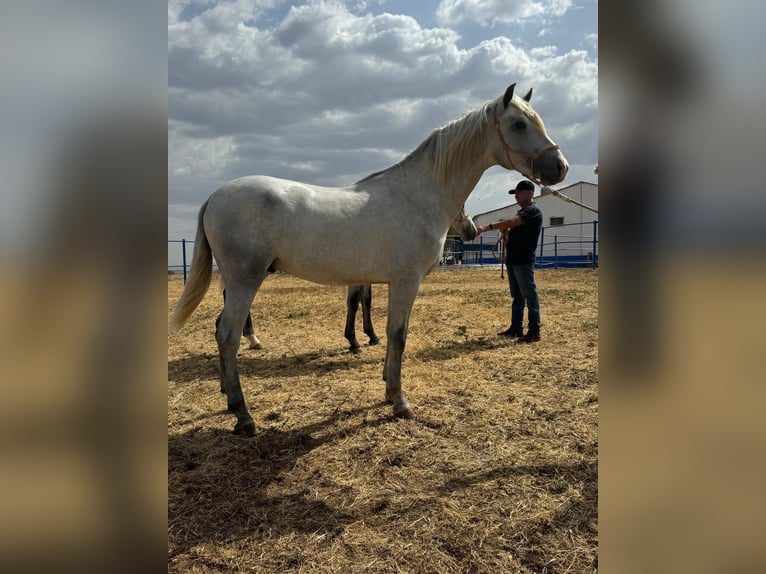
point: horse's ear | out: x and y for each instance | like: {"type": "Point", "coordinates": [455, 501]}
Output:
{"type": "Point", "coordinates": [508, 95]}
{"type": "Point", "coordinates": [528, 95]}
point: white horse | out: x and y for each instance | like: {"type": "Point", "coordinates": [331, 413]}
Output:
{"type": "Point", "coordinates": [463, 226]}
{"type": "Point", "coordinates": [386, 228]}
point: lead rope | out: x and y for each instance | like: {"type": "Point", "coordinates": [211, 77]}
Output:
{"type": "Point", "coordinates": [569, 199]}
{"type": "Point", "coordinates": [494, 254]}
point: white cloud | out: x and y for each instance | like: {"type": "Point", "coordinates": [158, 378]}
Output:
{"type": "Point", "coordinates": [325, 95]}
{"type": "Point", "coordinates": [489, 12]}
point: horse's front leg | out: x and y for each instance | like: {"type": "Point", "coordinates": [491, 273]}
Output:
{"type": "Point", "coordinates": [367, 315]}
{"type": "Point", "coordinates": [401, 296]}
{"type": "Point", "coordinates": [227, 334]}
{"type": "Point", "coordinates": [352, 304]}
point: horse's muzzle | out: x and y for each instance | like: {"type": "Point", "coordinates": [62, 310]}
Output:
{"type": "Point", "coordinates": [550, 168]}
{"type": "Point", "coordinates": [468, 232]}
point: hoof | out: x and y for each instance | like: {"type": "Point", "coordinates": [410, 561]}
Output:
{"type": "Point", "coordinates": [355, 350]}
{"type": "Point", "coordinates": [246, 429]}
{"type": "Point", "coordinates": [374, 341]}
{"type": "Point", "coordinates": [405, 413]}
{"type": "Point", "coordinates": [255, 342]}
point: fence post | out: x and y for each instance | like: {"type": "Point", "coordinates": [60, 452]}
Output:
{"type": "Point", "coordinates": [595, 241]}
{"type": "Point", "coordinates": [183, 253]}
{"type": "Point", "coordinates": [556, 251]}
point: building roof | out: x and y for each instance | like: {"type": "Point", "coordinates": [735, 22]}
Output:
{"type": "Point", "coordinates": [543, 192]}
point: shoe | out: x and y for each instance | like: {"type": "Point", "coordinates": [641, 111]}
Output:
{"type": "Point", "coordinates": [511, 332]}
{"type": "Point", "coordinates": [530, 337]}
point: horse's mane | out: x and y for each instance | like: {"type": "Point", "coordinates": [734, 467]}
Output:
{"type": "Point", "coordinates": [450, 147]}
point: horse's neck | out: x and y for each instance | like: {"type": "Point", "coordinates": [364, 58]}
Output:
{"type": "Point", "coordinates": [448, 195]}
{"type": "Point", "coordinates": [440, 174]}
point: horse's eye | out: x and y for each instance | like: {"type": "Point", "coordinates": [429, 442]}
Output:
{"type": "Point", "coordinates": [519, 126]}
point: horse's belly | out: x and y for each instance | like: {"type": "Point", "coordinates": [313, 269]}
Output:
{"type": "Point", "coordinates": [333, 272]}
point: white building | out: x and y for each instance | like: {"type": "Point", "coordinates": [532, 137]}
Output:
{"type": "Point", "coordinates": [570, 231]}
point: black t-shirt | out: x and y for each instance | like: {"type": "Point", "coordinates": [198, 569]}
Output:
{"type": "Point", "coordinates": [522, 240]}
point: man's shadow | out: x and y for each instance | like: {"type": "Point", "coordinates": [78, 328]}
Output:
{"type": "Point", "coordinates": [578, 516]}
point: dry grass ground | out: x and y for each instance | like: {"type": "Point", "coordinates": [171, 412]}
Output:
{"type": "Point", "coordinates": [496, 473]}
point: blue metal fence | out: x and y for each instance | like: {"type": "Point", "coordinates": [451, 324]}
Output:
{"type": "Point", "coordinates": [566, 245]}
{"type": "Point", "coordinates": [183, 256]}
{"type": "Point", "coordinates": [566, 250]}
{"type": "Point", "coordinates": [554, 251]}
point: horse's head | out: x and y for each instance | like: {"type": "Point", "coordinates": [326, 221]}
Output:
{"type": "Point", "coordinates": [522, 142]}
{"type": "Point", "coordinates": [463, 226]}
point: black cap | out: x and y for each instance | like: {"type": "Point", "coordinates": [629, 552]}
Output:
{"type": "Point", "coordinates": [523, 185]}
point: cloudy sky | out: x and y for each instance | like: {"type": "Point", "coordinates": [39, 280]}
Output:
{"type": "Point", "coordinates": [328, 91]}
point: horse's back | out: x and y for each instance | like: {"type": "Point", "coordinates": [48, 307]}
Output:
{"type": "Point", "coordinates": [257, 204]}
{"type": "Point", "coordinates": [287, 225]}
{"type": "Point", "coordinates": [248, 196]}
{"type": "Point", "coordinates": [275, 196]}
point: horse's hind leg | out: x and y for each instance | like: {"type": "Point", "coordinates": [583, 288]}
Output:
{"type": "Point", "coordinates": [249, 334]}
{"type": "Point", "coordinates": [227, 334]}
{"type": "Point", "coordinates": [366, 316]}
{"type": "Point", "coordinates": [352, 304]}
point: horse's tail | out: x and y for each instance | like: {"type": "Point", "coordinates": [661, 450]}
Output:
{"type": "Point", "coordinates": [199, 277]}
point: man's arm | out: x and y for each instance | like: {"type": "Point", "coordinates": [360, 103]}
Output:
{"type": "Point", "coordinates": [514, 221]}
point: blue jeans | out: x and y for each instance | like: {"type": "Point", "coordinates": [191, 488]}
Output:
{"type": "Point", "coordinates": [521, 278]}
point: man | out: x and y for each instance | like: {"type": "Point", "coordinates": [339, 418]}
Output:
{"type": "Point", "coordinates": [522, 231]}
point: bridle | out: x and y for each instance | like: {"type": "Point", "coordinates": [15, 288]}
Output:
{"type": "Point", "coordinates": [531, 157]}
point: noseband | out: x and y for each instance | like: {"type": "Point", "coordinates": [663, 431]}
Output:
{"type": "Point", "coordinates": [531, 157]}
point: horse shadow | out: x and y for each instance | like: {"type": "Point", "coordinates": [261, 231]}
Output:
{"type": "Point", "coordinates": [218, 484]}
{"type": "Point", "coordinates": [202, 366]}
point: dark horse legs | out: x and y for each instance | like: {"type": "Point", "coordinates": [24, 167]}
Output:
{"type": "Point", "coordinates": [356, 294]}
